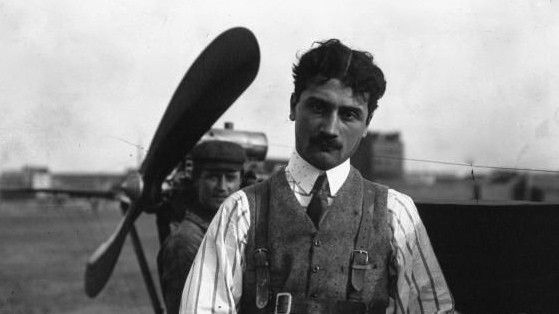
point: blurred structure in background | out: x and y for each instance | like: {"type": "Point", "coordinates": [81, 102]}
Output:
{"type": "Point", "coordinates": [15, 184]}
{"type": "Point", "coordinates": [380, 156]}
{"type": "Point", "coordinates": [34, 177]}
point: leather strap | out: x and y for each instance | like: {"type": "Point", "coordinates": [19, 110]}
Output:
{"type": "Point", "coordinates": [261, 254]}
{"type": "Point", "coordinates": [360, 259]}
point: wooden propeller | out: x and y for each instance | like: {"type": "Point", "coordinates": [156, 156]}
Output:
{"type": "Point", "coordinates": [215, 80]}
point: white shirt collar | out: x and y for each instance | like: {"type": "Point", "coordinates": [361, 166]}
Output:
{"type": "Point", "coordinates": [306, 174]}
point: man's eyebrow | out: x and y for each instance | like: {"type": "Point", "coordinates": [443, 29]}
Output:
{"type": "Point", "coordinates": [317, 99]}
{"type": "Point", "coordinates": [351, 108]}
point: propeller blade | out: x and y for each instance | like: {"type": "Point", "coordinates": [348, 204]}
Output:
{"type": "Point", "coordinates": [215, 80]}
{"type": "Point", "coordinates": [101, 263]}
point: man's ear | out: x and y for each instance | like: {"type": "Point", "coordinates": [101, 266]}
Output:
{"type": "Point", "coordinates": [367, 128]}
{"type": "Point", "coordinates": [292, 103]}
{"type": "Point", "coordinates": [369, 118]}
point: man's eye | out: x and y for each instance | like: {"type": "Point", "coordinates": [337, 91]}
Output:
{"type": "Point", "coordinates": [349, 115]}
{"type": "Point", "coordinates": [231, 177]}
{"type": "Point", "coordinates": [316, 107]}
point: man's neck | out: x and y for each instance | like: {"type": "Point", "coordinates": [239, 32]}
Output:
{"type": "Point", "coordinates": [305, 173]}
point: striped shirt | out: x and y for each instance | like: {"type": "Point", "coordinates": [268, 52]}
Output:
{"type": "Point", "coordinates": [214, 284]}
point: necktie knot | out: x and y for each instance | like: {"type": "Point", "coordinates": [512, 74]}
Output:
{"type": "Point", "coordinates": [319, 200]}
{"type": "Point", "coordinates": [321, 185]}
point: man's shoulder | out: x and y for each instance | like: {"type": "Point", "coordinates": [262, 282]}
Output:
{"type": "Point", "coordinates": [256, 188]}
{"type": "Point", "coordinates": [355, 173]}
{"type": "Point", "coordinates": [235, 199]}
{"type": "Point", "coordinates": [253, 193]}
{"type": "Point", "coordinates": [238, 201]}
{"type": "Point", "coordinates": [399, 196]}
{"type": "Point", "coordinates": [264, 185]}
{"type": "Point", "coordinates": [374, 184]}
{"type": "Point", "coordinates": [193, 218]}
{"type": "Point", "coordinates": [402, 206]}
{"type": "Point", "coordinates": [188, 233]}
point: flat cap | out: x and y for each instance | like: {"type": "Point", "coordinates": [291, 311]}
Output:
{"type": "Point", "coordinates": [219, 155]}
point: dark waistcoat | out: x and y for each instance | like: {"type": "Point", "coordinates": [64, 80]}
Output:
{"type": "Point", "coordinates": [311, 263]}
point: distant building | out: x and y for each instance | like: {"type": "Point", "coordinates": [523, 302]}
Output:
{"type": "Point", "coordinates": [86, 181]}
{"type": "Point", "coordinates": [380, 155]}
{"type": "Point", "coordinates": [535, 187]}
{"type": "Point", "coordinates": [31, 177]}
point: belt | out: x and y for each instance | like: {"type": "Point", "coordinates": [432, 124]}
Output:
{"type": "Point", "coordinates": [286, 304]}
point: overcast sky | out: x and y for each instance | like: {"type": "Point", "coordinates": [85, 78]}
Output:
{"type": "Point", "coordinates": [467, 80]}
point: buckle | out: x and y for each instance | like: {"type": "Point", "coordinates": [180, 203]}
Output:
{"type": "Point", "coordinates": [355, 252]}
{"type": "Point", "coordinates": [283, 303]}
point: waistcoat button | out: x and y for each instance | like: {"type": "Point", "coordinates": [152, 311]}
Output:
{"type": "Point", "coordinates": [315, 268]}
{"type": "Point", "coordinates": [316, 242]}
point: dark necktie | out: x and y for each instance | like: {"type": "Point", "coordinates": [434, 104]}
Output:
{"type": "Point", "coordinates": [319, 200]}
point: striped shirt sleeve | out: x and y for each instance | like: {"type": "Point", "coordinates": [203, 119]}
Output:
{"type": "Point", "coordinates": [214, 283]}
{"type": "Point", "coordinates": [417, 282]}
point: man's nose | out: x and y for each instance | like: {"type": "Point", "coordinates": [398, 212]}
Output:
{"type": "Point", "coordinates": [222, 182]}
{"type": "Point", "coordinates": [330, 125]}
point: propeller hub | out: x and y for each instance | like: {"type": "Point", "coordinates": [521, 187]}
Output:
{"type": "Point", "coordinates": [133, 186]}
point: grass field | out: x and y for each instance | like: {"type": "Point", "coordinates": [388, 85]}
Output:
{"type": "Point", "coordinates": [43, 250]}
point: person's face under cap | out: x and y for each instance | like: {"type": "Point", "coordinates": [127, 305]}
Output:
{"type": "Point", "coordinates": [218, 166]}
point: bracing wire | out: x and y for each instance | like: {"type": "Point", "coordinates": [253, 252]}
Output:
{"type": "Point", "coordinates": [472, 165]}
{"type": "Point", "coordinates": [450, 163]}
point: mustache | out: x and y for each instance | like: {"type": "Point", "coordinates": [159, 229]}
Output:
{"type": "Point", "coordinates": [325, 141]}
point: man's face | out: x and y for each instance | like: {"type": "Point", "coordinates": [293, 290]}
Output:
{"type": "Point", "coordinates": [329, 123]}
{"type": "Point", "coordinates": [214, 186]}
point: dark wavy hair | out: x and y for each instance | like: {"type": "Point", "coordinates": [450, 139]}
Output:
{"type": "Point", "coordinates": [332, 59]}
